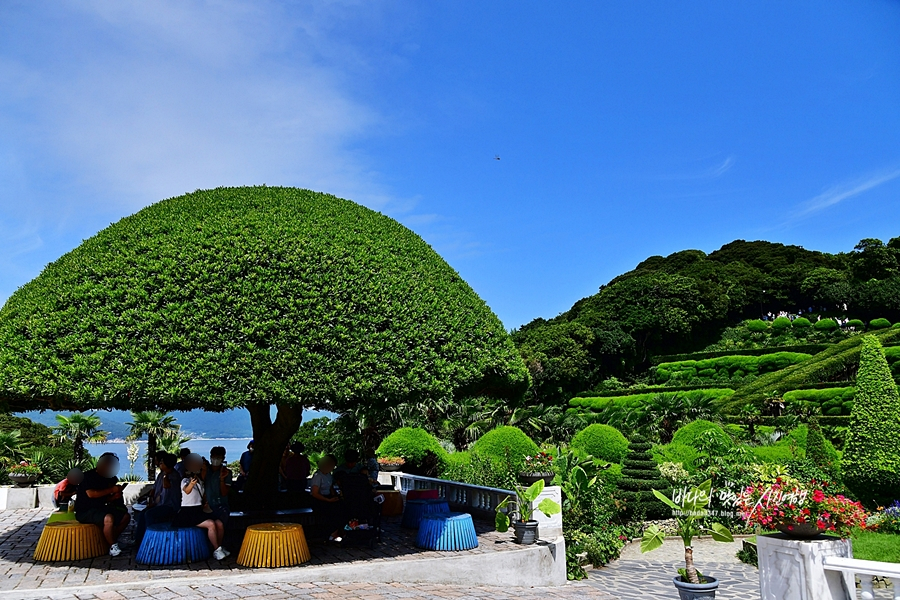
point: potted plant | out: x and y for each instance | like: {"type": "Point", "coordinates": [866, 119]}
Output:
{"type": "Point", "coordinates": [390, 463]}
{"type": "Point", "coordinates": [799, 511]}
{"type": "Point", "coordinates": [24, 474]}
{"type": "Point", "coordinates": [690, 583]}
{"type": "Point", "coordinates": [524, 525]}
{"type": "Point", "coordinates": [539, 466]}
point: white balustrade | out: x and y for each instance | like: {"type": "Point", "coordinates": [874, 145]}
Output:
{"type": "Point", "coordinates": [465, 496]}
{"type": "Point", "coordinates": [850, 568]}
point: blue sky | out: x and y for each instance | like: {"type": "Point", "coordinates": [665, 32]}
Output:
{"type": "Point", "coordinates": [624, 129]}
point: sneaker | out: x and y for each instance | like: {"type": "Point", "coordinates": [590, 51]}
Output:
{"type": "Point", "coordinates": [225, 552]}
{"type": "Point", "coordinates": [219, 554]}
{"type": "Point", "coordinates": [114, 550]}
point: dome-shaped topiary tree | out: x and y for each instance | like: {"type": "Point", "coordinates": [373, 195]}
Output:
{"type": "Point", "coordinates": [506, 440]}
{"type": "Point", "coordinates": [602, 441]}
{"type": "Point", "coordinates": [252, 297]}
{"type": "Point", "coordinates": [413, 444]}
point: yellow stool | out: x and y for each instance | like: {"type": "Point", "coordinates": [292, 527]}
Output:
{"type": "Point", "coordinates": [274, 545]}
{"type": "Point", "coordinates": [393, 503]}
{"type": "Point", "coordinates": [70, 540]}
{"type": "Point", "coordinates": [61, 516]}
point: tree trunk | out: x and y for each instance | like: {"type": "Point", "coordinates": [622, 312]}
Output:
{"type": "Point", "coordinates": [78, 448]}
{"type": "Point", "coordinates": [689, 565]}
{"type": "Point", "coordinates": [269, 442]}
{"type": "Point", "coordinates": [151, 457]}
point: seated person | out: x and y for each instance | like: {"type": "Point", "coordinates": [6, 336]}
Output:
{"type": "Point", "coordinates": [217, 483]}
{"type": "Point", "coordinates": [352, 464]}
{"type": "Point", "coordinates": [179, 466]}
{"type": "Point", "coordinates": [325, 497]}
{"type": "Point", "coordinates": [192, 513]}
{"type": "Point", "coordinates": [65, 489]}
{"type": "Point", "coordinates": [246, 459]}
{"type": "Point", "coordinates": [163, 504]}
{"type": "Point", "coordinates": [99, 501]}
{"type": "Point", "coordinates": [296, 469]}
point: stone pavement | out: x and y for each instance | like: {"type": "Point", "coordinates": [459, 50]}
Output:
{"type": "Point", "coordinates": [644, 576]}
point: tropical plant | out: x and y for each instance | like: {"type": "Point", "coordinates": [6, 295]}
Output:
{"type": "Point", "coordinates": [871, 460]}
{"type": "Point", "coordinates": [523, 507]}
{"type": "Point", "coordinates": [79, 428]}
{"type": "Point", "coordinates": [154, 424]}
{"type": "Point", "coordinates": [12, 446]}
{"type": "Point", "coordinates": [689, 518]}
{"type": "Point", "coordinates": [173, 441]}
{"type": "Point", "coordinates": [249, 297]}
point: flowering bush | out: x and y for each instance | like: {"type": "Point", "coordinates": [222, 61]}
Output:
{"type": "Point", "coordinates": [780, 505]}
{"type": "Point", "coordinates": [539, 463]}
{"type": "Point", "coordinates": [674, 472]}
{"type": "Point", "coordinates": [24, 468]}
{"type": "Point", "coordinates": [391, 460]}
{"type": "Point", "coordinates": [886, 520]}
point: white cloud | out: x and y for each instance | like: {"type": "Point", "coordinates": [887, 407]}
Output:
{"type": "Point", "coordinates": [844, 191]}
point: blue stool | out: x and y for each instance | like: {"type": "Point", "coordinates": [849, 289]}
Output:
{"type": "Point", "coordinates": [165, 545]}
{"type": "Point", "coordinates": [414, 510]}
{"type": "Point", "coordinates": [447, 531]}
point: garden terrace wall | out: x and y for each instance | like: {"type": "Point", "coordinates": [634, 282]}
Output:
{"type": "Point", "coordinates": [804, 349]}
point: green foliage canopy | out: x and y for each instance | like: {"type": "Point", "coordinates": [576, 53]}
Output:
{"type": "Point", "coordinates": [602, 441]}
{"type": "Point", "coordinates": [412, 444]}
{"type": "Point", "coordinates": [499, 442]}
{"type": "Point", "coordinates": [236, 296]}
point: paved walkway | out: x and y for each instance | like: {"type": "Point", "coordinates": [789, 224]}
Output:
{"type": "Point", "coordinates": [637, 576]}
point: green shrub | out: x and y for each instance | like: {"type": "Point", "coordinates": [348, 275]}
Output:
{"type": "Point", "coordinates": [872, 450]}
{"type": "Point", "coordinates": [817, 450]}
{"type": "Point", "coordinates": [896, 325]}
{"type": "Point", "coordinates": [801, 323]}
{"type": "Point", "coordinates": [505, 441]}
{"type": "Point", "coordinates": [826, 325]}
{"type": "Point", "coordinates": [879, 324]}
{"type": "Point", "coordinates": [636, 400]}
{"type": "Point", "coordinates": [479, 470]}
{"type": "Point", "coordinates": [757, 325]}
{"type": "Point", "coordinates": [636, 489]}
{"type": "Point", "coordinates": [804, 348]}
{"type": "Point", "coordinates": [690, 433]}
{"type": "Point", "coordinates": [412, 444]}
{"type": "Point", "coordinates": [736, 365]}
{"type": "Point", "coordinates": [602, 441]}
{"type": "Point", "coordinates": [825, 399]}
{"type": "Point", "coordinates": [781, 323]}
{"type": "Point", "coordinates": [676, 453]}
{"type": "Point", "coordinates": [855, 324]}
{"type": "Point", "coordinates": [775, 454]}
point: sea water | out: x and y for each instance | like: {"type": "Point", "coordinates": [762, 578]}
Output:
{"type": "Point", "coordinates": [234, 447]}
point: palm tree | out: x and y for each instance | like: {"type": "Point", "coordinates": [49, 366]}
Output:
{"type": "Point", "coordinates": [79, 428]}
{"type": "Point", "coordinates": [154, 424]}
{"type": "Point", "coordinates": [173, 441]}
{"type": "Point", "coordinates": [12, 446]}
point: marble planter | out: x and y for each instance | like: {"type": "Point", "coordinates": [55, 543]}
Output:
{"type": "Point", "coordinates": [792, 569]}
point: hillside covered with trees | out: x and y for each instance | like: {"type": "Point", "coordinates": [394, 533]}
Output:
{"type": "Point", "coordinates": [690, 301]}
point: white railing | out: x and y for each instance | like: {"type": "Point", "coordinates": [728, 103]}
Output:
{"type": "Point", "coordinates": [866, 569]}
{"type": "Point", "coordinates": [464, 496]}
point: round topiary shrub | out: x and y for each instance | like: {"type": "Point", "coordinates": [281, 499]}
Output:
{"type": "Point", "coordinates": [503, 441]}
{"type": "Point", "coordinates": [826, 325]}
{"type": "Point", "coordinates": [781, 323]}
{"type": "Point", "coordinates": [690, 433]}
{"type": "Point", "coordinates": [413, 445]}
{"type": "Point", "coordinates": [801, 323]}
{"type": "Point", "coordinates": [879, 324]}
{"type": "Point", "coordinates": [896, 326]}
{"type": "Point", "coordinates": [602, 441]}
{"type": "Point", "coordinates": [757, 325]}
{"type": "Point", "coordinates": [854, 324]}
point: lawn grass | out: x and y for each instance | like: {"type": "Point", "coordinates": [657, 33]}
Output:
{"type": "Point", "coordinates": [871, 545]}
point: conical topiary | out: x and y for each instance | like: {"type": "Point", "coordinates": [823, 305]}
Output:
{"type": "Point", "coordinates": [640, 476]}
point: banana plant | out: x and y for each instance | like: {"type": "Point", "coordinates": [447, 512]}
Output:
{"type": "Point", "coordinates": [524, 511]}
{"type": "Point", "coordinates": [688, 516]}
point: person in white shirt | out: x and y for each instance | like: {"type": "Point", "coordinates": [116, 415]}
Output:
{"type": "Point", "coordinates": [193, 506]}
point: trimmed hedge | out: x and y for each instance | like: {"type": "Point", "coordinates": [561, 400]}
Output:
{"type": "Point", "coordinates": [879, 324]}
{"type": "Point", "coordinates": [757, 325]}
{"type": "Point", "coordinates": [650, 390]}
{"type": "Point", "coordinates": [636, 400]}
{"type": "Point", "coordinates": [496, 443]}
{"type": "Point", "coordinates": [767, 421]}
{"type": "Point", "coordinates": [729, 366]}
{"type": "Point", "coordinates": [690, 433]}
{"type": "Point", "coordinates": [831, 401]}
{"type": "Point", "coordinates": [781, 323]}
{"type": "Point", "coordinates": [855, 324]}
{"type": "Point", "coordinates": [643, 477]}
{"type": "Point", "coordinates": [837, 361]}
{"type": "Point", "coordinates": [826, 325]}
{"type": "Point", "coordinates": [872, 448]}
{"type": "Point", "coordinates": [801, 323]}
{"type": "Point", "coordinates": [412, 444]}
{"type": "Point", "coordinates": [804, 348]}
{"type": "Point", "coordinates": [602, 441]}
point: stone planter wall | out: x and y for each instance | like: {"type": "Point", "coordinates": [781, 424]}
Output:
{"type": "Point", "coordinates": [15, 498]}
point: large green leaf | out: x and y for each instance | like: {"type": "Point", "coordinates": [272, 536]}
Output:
{"type": "Point", "coordinates": [720, 533]}
{"type": "Point", "coordinates": [652, 539]}
{"type": "Point", "coordinates": [501, 522]}
{"type": "Point", "coordinates": [549, 507]}
{"type": "Point", "coordinates": [665, 499]}
{"type": "Point", "coordinates": [531, 493]}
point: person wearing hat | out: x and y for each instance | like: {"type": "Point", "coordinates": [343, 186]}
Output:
{"type": "Point", "coordinates": [193, 512]}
